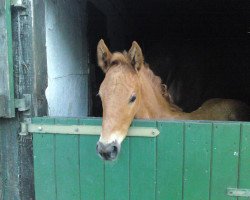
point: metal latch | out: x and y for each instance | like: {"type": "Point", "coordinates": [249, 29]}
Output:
{"type": "Point", "coordinates": [237, 192]}
{"type": "Point", "coordinates": [24, 103]}
{"type": "Point", "coordinates": [82, 129]}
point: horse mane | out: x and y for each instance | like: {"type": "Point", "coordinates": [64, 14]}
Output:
{"type": "Point", "coordinates": [158, 85]}
{"type": "Point", "coordinates": [161, 87]}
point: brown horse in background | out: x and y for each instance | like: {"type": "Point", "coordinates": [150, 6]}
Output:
{"type": "Point", "coordinates": [131, 90]}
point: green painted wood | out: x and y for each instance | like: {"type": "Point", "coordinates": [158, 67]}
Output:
{"type": "Point", "coordinates": [96, 121]}
{"type": "Point", "coordinates": [11, 106]}
{"type": "Point", "coordinates": [142, 165]}
{"type": "Point", "coordinates": [117, 175]}
{"type": "Point", "coordinates": [225, 151]}
{"type": "Point", "coordinates": [244, 165]}
{"type": "Point", "coordinates": [197, 160]}
{"type": "Point", "coordinates": [44, 165]}
{"type": "Point", "coordinates": [67, 165]}
{"type": "Point", "coordinates": [9, 159]}
{"type": "Point", "coordinates": [169, 161]}
{"type": "Point", "coordinates": [91, 166]}
{"type": "Point", "coordinates": [7, 107]}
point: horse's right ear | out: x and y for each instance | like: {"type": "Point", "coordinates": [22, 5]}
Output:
{"type": "Point", "coordinates": [136, 56]}
{"type": "Point", "coordinates": [103, 56]}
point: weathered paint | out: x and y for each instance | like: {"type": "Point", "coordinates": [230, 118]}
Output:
{"type": "Point", "coordinates": [25, 83]}
{"type": "Point", "coordinates": [6, 62]}
{"type": "Point", "coordinates": [188, 160]}
{"type": "Point", "coordinates": [9, 159]}
{"type": "Point", "coordinates": [16, 157]}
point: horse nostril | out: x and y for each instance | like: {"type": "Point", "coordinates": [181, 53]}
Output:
{"type": "Point", "coordinates": [107, 151]}
{"type": "Point", "coordinates": [113, 152]}
{"type": "Point", "coordinates": [114, 149]}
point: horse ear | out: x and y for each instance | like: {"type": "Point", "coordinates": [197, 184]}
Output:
{"type": "Point", "coordinates": [103, 56]}
{"type": "Point", "coordinates": [136, 56]}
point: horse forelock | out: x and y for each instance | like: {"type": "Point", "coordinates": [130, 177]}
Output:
{"type": "Point", "coordinates": [121, 58]}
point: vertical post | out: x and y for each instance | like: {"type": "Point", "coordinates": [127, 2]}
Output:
{"type": "Point", "coordinates": [6, 62]}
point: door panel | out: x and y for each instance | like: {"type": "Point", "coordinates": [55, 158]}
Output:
{"type": "Point", "coordinates": [188, 160]}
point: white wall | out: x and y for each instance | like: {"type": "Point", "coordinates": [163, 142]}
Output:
{"type": "Point", "coordinates": [67, 62]}
{"type": "Point", "coordinates": [66, 59]}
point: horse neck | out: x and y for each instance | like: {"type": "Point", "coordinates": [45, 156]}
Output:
{"type": "Point", "coordinates": [153, 105]}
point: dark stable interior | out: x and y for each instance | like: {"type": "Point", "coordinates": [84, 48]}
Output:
{"type": "Point", "coordinates": [200, 49]}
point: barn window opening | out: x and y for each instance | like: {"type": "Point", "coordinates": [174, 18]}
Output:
{"type": "Point", "coordinates": [199, 49]}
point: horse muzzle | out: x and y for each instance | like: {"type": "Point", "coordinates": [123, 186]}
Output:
{"type": "Point", "coordinates": [108, 151]}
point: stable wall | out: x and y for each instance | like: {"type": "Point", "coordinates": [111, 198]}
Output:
{"type": "Point", "coordinates": [69, 60]}
{"type": "Point", "coordinates": [66, 59]}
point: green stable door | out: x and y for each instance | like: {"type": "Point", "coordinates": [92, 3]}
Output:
{"type": "Point", "coordinates": [188, 160]}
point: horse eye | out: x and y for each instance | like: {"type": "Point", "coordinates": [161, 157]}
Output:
{"type": "Point", "coordinates": [115, 62]}
{"type": "Point", "coordinates": [132, 98]}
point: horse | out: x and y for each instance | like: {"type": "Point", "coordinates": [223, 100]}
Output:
{"type": "Point", "coordinates": [131, 90]}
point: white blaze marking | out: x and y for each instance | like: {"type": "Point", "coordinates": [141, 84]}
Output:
{"type": "Point", "coordinates": [115, 136]}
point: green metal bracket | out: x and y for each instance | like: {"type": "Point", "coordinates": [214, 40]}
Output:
{"type": "Point", "coordinates": [236, 192]}
{"type": "Point", "coordinates": [24, 103]}
{"type": "Point", "coordinates": [82, 130]}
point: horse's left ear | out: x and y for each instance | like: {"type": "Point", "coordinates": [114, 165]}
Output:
{"type": "Point", "coordinates": [103, 56]}
{"type": "Point", "coordinates": [136, 56]}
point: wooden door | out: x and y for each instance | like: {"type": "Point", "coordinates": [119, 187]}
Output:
{"type": "Point", "coordinates": [6, 62]}
{"type": "Point", "coordinates": [188, 160]}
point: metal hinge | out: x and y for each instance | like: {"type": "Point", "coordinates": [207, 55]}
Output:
{"type": "Point", "coordinates": [237, 192]}
{"type": "Point", "coordinates": [24, 103]}
{"type": "Point", "coordinates": [82, 130]}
